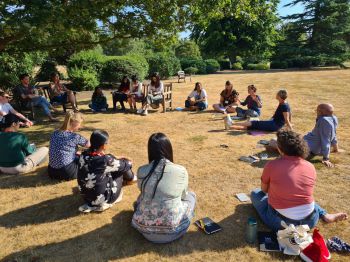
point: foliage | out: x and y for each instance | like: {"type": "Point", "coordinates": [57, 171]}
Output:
{"type": "Point", "coordinates": [212, 66]}
{"type": "Point", "coordinates": [46, 69]}
{"type": "Point", "coordinates": [127, 46]}
{"type": "Point", "coordinates": [90, 59]}
{"type": "Point", "coordinates": [277, 64]}
{"type": "Point", "coordinates": [187, 49]}
{"type": "Point", "coordinates": [165, 63]}
{"type": "Point", "coordinates": [191, 70]}
{"type": "Point", "coordinates": [197, 63]}
{"type": "Point", "coordinates": [260, 66]}
{"type": "Point", "coordinates": [83, 79]}
{"type": "Point", "coordinates": [237, 66]}
{"type": "Point", "coordinates": [225, 64]}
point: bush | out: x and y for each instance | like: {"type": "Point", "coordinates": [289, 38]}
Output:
{"type": "Point", "coordinates": [237, 66]}
{"type": "Point", "coordinates": [279, 64]}
{"type": "Point", "coordinates": [83, 79]}
{"type": "Point", "coordinates": [91, 59]}
{"type": "Point", "coordinates": [166, 64]}
{"type": "Point", "coordinates": [191, 70]}
{"type": "Point", "coordinates": [197, 63]}
{"type": "Point", "coordinates": [212, 66]}
{"type": "Point", "coordinates": [225, 64]}
{"type": "Point", "coordinates": [118, 66]}
{"type": "Point", "coordinates": [239, 60]}
{"type": "Point", "coordinates": [46, 69]}
{"type": "Point", "coordinates": [260, 66]}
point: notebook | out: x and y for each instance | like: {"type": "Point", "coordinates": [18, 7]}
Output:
{"type": "Point", "coordinates": [268, 242]}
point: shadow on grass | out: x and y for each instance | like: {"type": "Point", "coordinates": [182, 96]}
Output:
{"type": "Point", "coordinates": [47, 211]}
{"type": "Point", "coordinates": [236, 133]}
{"type": "Point", "coordinates": [38, 177]}
{"type": "Point", "coordinates": [119, 240]}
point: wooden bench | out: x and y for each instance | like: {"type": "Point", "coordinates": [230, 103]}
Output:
{"type": "Point", "coordinates": [182, 75]}
{"type": "Point", "coordinates": [65, 105]}
{"type": "Point", "coordinates": [167, 96]}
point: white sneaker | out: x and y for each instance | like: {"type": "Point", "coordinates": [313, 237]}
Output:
{"type": "Point", "coordinates": [145, 112]}
{"type": "Point", "coordinates": [86, 208]}
{"type": "Point", "coordinates": [103, 110]}
{"type": "Point", "coordinates": [120, 197]}
{"type": "Point", "coordinates": [103, 207]}
{"type": "Point", "coordinates": [228, 122]}
{"type": "Point", "coordinates": [139, 111]}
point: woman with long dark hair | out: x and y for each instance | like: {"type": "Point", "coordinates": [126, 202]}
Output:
{"type": "Point", "coordinates": [155, 94]}
{"type": "Point", "coordinates": [197, 99]}
{"type": "Point", "coordinates": [165, 207]}
{"type": "Point", "coordinates": [122, 95]}
{"type": "Point", "coordinates": [228, 99]}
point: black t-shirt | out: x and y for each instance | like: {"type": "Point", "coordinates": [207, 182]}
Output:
{"type": "Point", "coordinates": [278, 117]}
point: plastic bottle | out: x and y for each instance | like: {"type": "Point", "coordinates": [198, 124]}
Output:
{"type": "Point", "coordinates": [252, 228]}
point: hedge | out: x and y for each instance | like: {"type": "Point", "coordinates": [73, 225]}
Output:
{"type": "Point", "coordinates": [260, 66]}
{"type": "Point", "coordinates": [83, 79]}
{"type": "Point", "coordinates": [46, 69]}
{"type": "Point", "coordinates": [237, 66]}
{"type": "Point", "coordinates": [166, 64]}
{"type": "Point", "coordinates": [279, 64]}
{"type": "Point", "coordinates": [225, 64]}
{"type": "Point", "coordinates": [91, 59]}
{"type": "Point", "coordinates": [197, 63]}
{"type": "Point", "coordinates": [191, 70]}
{"type": "Point", "coordinates": [212, 66]}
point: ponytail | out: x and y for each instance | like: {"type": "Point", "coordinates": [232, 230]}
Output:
{"type": "Point", "coordinates": [71, 117]}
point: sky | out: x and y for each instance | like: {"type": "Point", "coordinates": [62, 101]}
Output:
{"type": "Point", "coordinates": [282, 11]}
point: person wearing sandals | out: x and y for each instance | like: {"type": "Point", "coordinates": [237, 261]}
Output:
{"type": "Point", "coordinates": [101, 175]}
{"type": "Point", "coordinates": [98, 101]}
{"type": "Point", "coordinates": [63, 160]}
{"type": "Point", "coordinates": [253, 103]}
{"type": "Point", "coordinates": [17, 156]}
{"type": "Point", "coordinates": [59, 93]}
{"type": "Point", "coordinates": [135, 93]}
{"type": "Point", "coordinates": [122, 95]}
{"type": "Point", "coordinates": [228, 100]}
{"type": "Point", "coordinates": [165, 207]}
{"type": "Point", "coordinates": [287, 186]}
{"type": "Point", "coordinates": [197, 99]}
{"type": "Point", "coordinates": [281, 117]}
{"type": "Point", "coordinates": [155, 94]}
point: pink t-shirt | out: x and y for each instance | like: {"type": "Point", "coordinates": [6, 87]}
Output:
{"type": "Point", "coordinates": [291, 182]}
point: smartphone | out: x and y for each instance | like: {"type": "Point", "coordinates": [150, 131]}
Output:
{"type": "Point", "coordinates": [208, 226]}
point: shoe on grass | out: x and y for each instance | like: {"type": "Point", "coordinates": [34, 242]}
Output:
{"type": "Point", "coordinates": [228, 122]}
{"type": "Point", "coordinates": [86, 208]}
{"type": "Point", "coordinates": [145, 112]}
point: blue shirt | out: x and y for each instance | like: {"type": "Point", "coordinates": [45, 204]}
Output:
{"type": "Point", "coordinates": [278, 117]}
{"type": "Point", "coordinates": [251, 104]}
{"type": "Point", "coordinates": [323, 136]}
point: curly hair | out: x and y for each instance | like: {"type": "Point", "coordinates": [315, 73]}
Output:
{"type": "Point", "coordinates": [292, 144]}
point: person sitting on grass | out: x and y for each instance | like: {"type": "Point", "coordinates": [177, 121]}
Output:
{"type": "Point", "coordinates": [253, 102]}
{"type": "Point", "coordinates": [28, 94]}
{"type": "Point", "coordinates": [17, 156]}
{"type": "Point", "coordinates": [59, 93]}
{"type": "Point", "coordinates": [101, 175]}
{"type": "Point", "coordinates": [165, 207]}
{"type": "Point", "coordinates": [287, 186]}
{"type": "Point", "coordinates": [281, 117]}
{"type": "Point", "coordinates": [136, 93]}
{"type": "Point", "coordinates": [323, 138]}
{"type": "Point", "coordinates": [197, 99]}
{"type": "Point", "coordinates": [228, 100]}
{"type": "Point", "coordinates": [6, 108]}
{"type": "Point", "coordinates": [63, 164]}
{"type": "Point", "coordinates": [98, 101]}
{"type": "Point", "coordinates": [122, 95]}
{"type": "Point", "coordinates": [155, 94]}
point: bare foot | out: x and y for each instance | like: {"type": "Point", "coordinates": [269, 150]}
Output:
{"type": "Point", "coordinates": [331, 218]}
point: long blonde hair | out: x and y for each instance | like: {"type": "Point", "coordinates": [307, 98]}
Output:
{"type": "Point", "coordinates": [70, 118]}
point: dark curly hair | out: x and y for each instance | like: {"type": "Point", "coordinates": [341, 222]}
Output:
{"type": "Point", "coordinates": [292, 144]}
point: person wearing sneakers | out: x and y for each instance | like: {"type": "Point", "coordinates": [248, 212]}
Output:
{"type": "Point", "coordinates": [17, 156]}
{"type": "Point", "coordinates": [165, 207]}
{"type": "Point", "coordinates": [253, 102]}
{"type": "Point", "coordinates": [287, 186]}
{"type": "Point", "coordinates": [64, 144]}
{"type": "Point", "coordinates": [197, 99]}
{"type": "Point", "coordinates": [101, 175]}
{"type": "Point", "coordinates": [155, 94]}
{"type": "Point", "coordinates": [281, 117]}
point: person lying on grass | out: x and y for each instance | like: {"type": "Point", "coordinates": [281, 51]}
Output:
{"type": "Point", "coordinates": [17, 156]}
{"type": "Point", "coordinates": [165, 207]}
{"type": "Point", "coordinates": [228, 100]}
{"type": "Point", "coordinates": [197, 99]}
{"type": "Point", "coordinates": [253, 102]}
{"type": "Point", "coordinates": [281, 117]}
{"type": "Point", "coordinates": [323, 138]}
{"type": "Point", "coordinates": [101, 175]}
{"type": "Point", "coordinates": [64, 142]}
{"type": "Point", "coordinates": [287, 186]}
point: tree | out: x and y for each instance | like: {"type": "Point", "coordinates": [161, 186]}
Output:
{"type": "Point", "coordinates": [237, 28]}
{"type": "Point", "coordinates": [187, 49]}
{"type": "Point", "coordinates": [326, 27]}
{"type": "Point", "coordinates": [51, 25]}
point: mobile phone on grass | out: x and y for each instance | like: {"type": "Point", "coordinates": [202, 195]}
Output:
{"type": "Point", "coordinates": [208, 226]}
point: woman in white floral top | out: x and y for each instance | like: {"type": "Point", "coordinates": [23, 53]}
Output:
{"type": "Point", "coordinates": [165, 207]}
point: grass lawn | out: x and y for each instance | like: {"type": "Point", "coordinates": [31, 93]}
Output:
{"type": "Point", "coordinates": [39, 218]}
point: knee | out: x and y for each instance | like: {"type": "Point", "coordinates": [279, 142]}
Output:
{"type": "Point", "coordinates": [256, 195]}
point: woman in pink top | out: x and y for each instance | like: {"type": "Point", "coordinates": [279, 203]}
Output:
{"type": "Point", "coordinates": [287, 185]}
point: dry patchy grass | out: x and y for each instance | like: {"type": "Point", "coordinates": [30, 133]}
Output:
{"type": "Point", "coordinates": [39, 219]}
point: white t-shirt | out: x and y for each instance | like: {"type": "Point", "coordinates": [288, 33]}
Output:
{"type": "Point", "coordinates": [153, 89]}
{"type": "Point", "coordinates": [5, 109]}
{"type": "Point", "coordinates": [197, 96]}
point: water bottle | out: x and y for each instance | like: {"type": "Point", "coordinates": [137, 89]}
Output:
{"type": "Point", "coordinates": [252, 228]}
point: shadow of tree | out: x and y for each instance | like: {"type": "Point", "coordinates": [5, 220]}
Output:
{"type": "Point", "coordinates": [47, 211]}
{"type": "Point", "coordinates": [119, 240]}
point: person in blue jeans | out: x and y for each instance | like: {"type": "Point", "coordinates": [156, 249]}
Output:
{"type": "Point", "coordinates": [281, 117]}
{"type": "Point", "coordinates": [26, 93]}
{"type": "Point", "coordinates": [197, 99]}
{"type": "Point", "coordinates": [98, 101]}
{"type": "Point", "coordinates": [287, 186]}
{"type": "Point", "coordinates": [253, 103]}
